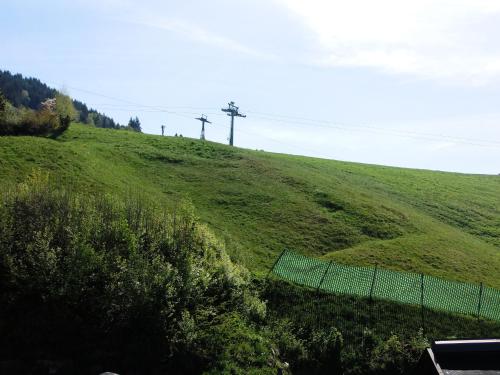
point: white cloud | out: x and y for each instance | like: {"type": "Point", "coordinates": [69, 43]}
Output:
{"type": "Point", "coordinates": [453, 40]}
{"type": "Point", "coordinates": [199, 34]}
{"type": "Point", "coordinates": [143, 14]}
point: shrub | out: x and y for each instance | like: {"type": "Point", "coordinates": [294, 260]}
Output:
{"type": "Point", "coordinates": [99, 280]}
{"type": "Point", "coordinates": [306, 350]}
{"type": "Point", "coordinates": [242, 349]}
{"type": "Point", "coordinates": [396, 355]}
{"type": "Point", "coordinates": [52, 119]}
{"type": "Point", "coordinates": [325, 348]}
{"type": "Point", "coordinates": [65, 111]}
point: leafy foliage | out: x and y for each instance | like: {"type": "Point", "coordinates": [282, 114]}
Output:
{"type": "Point", "coordinates": [396, 355]}
{"type": "Point", "coordinates": [127, 283]}
{"type": "Point", "coordinates": [65, 109]}
{"type": "Point", "coordinates": [26, 92]}
{"type": "Point", "coordinates": [53, 118]}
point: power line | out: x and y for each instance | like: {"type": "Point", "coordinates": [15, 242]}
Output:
{"type": "Point", "coordinates": [355, 128]}
{"type": "Point", "coordinates": [395, 132]}
{"type": "Point", "coordinates": [152, 107]}
{"type": "Point", "coordinates": [301, 148]}
{"type": "Point", "coordinates": [298, 121]}
{"type": "Point", "coordinates": [360, 128]}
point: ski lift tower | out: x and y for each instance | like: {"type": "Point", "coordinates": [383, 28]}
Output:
{"type": "Point", "coordinates": [232, 111]}
{"type": "Point", "coordinates": [203, 120]}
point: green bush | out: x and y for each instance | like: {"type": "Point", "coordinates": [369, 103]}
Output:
{"type": "Point", "coordinates": [52, 119]}
{"type": "Point", "coordinates": [242, 349]}
{"type": "Point", "coordinates": [304, 350]}
{"type": "Point", "coordinates": [99, 280]}
{"type": "Point", "coordinates": [396, 355]}
{"type": "Point", "coordinates": [326, 348]}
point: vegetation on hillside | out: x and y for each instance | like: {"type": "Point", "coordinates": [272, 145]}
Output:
{"type": "Point", "coordinates": [87, 265]}
{"type": "Point", "coordinates": [378, 336]}
{"type": "Point", "coordinates": [131, 286]}
{"type": "Point", "coordinates": [127, 283]}
{"type": "Point", "coordinates": [29, 107]}
{"type": "Point", "coordinates": [134, 255]}
{"type": "Point", "coordinates": [135, 124]}
{"type": "Point", "coordinates": [258, 203]}
{"type": "Point", "coordinates": [52, 118]}
{"type": "Point", "coordinates": [27, 92]}
{"type": "Point", "coordinates": [3, 104]}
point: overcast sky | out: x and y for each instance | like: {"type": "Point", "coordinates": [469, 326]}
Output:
{"type": "Point", "coordinates": [393, 82]}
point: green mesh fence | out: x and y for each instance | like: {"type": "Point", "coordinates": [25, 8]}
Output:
{"type": "Point", "coordinates": [407, 288]}
{"type": "Point", "coordinates": [339, 280]}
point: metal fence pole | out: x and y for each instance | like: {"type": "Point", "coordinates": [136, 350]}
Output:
{"type": "Point", "coordinates": [480, 299]}
{"type": "Point", "coordinates": [422, 300]}
{"type": "Point", "coordinates": [373, 282]}
{"type": "Point", "coordinates": [318, 309]}
{"type": "Point", "coordinates": [324, 275]}
{"type": "Point", "coordinates": [275, 263]}
{"type": "Point", "coordinates": [370, 309]}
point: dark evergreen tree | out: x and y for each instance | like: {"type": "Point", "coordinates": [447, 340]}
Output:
{"type": "Point", "coordinates": [3, 103]}
{"type": "Point", "coordinates": [24, 92]}
{"type": "Point", "coordinates": [135, 124]}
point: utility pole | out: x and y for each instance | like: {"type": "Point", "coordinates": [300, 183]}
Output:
{"type": "Point", "coordinates": [162, 130]}
{"type": "Point", "coordinates": [203, 119]}
{"type": "Point", "coordinates": [232, 111]}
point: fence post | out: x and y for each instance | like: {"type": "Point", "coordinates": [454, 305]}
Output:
{"type": "Point", "coordinates": [275, 263]}
{"type": "Point", "coordinates": [324, 275]}
{"type": "Point", "coordinates": [373, 282]}
{"type": "Point", "coordinates": [422, 300]}
{"type": "Point", "coordinates": [318, 309]}
{"type": "Point", "coordinates": [479, 303]}
{"type": "Point", "coordinates": [370, 309]}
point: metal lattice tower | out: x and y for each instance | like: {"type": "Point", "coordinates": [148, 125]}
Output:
{"type": "Point", "coordinates": [232, 111]}
{"type": "Point", "coordinates": [203, 120]}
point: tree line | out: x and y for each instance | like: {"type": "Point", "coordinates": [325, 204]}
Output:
{"type": "Point", "coordinates": [27, 93]}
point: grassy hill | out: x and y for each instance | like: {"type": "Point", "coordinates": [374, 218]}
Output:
{"type": "Point", "coordinates": [442, 224]}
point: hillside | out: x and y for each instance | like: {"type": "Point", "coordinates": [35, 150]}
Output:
{"type": "Point", "coordinates": [442, 224]}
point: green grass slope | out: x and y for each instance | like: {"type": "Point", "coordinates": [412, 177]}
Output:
{"type": "Point", "coordinates": [442, 224]}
